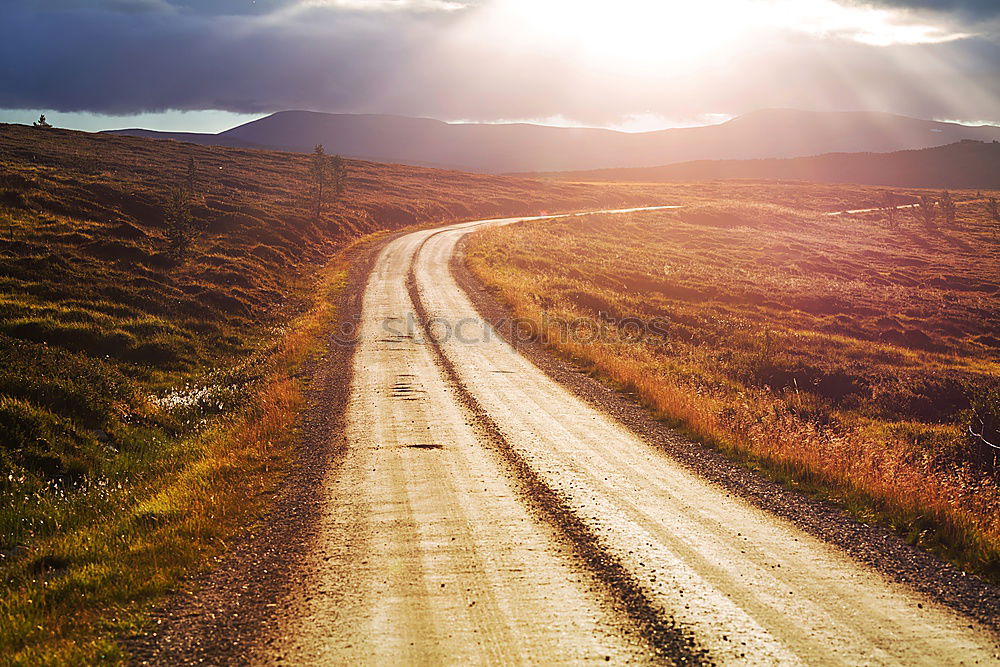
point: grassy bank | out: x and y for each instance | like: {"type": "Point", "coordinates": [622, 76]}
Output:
{"type": "Point", "coordinates": [147, 398]}
{"type": "Point", "coordinates": [122, 542]}
{"type": "Point", "coordinates": [840, 355]}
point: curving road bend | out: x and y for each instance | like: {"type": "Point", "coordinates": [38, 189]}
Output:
{"type": "Point", "coordinates": [486, 515]}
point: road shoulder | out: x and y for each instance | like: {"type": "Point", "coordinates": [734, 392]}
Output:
{"type": "Point", "coordinates": [224, 615]}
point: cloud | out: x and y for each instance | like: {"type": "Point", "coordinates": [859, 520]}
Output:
{"type": "Point", "coordinates": [970, 9]}
{"type": "Point", "coordinates": [450, 59]}
{"type": "Point", "coordinates": [139, 6]}
{"type": "Point", "coordinates": [77, 59]}
{"type": "Point", "coordinates": [387, 5]}
{"type": "Point", "coordinates": [122, 6]}
{"type": "Point", "coordinates": [201, 7]}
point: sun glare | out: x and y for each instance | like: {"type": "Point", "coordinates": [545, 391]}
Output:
{"type": "Point", "coordinates": [644, 34]}
{"type": "Point", "coordinates": [637, 33]}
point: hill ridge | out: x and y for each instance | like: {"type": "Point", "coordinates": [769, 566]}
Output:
{"type": "Point", "coordinates": [963, 164]}
{"type": "Point", "coordinates": [524, 147]}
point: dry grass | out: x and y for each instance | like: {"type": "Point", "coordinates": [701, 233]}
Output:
{"type": "Point", "coordinates": [147, 405]}
{"type": "Point", "coordinates": [834, 353]}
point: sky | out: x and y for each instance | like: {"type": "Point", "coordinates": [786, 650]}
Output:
{"type": "Point", "coordinates": [205, 65]}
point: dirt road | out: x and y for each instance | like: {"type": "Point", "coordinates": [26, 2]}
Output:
{"type": "Point", "coordinates": [485, 514]}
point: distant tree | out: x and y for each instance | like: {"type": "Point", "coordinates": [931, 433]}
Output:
{"type": "Point", "coordinates": [180, 225]}
{"type": "Point", "coordinates": [890, 204]}
{"type": "Point", "coordinates": [947, 205]}
{"type": "Point", "coordinates": [338, 175]}
{"type": "Point", "coordinates": [319, 171]}
{"type": "Point", "coordinates": [925, 211]}
{"type": "Point", "coordinates": [42, 123]}
{"type": "Point", "coordinates": [329, 178]}
{"type": "Point", "coordinates": [192, 176]}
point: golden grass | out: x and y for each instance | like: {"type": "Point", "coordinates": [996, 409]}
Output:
{"type": "Point", "coordinates": [866, 422]}
{"type": "Point", "coordinates": [74, 593]}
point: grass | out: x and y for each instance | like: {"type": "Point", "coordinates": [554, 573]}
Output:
{"type": "Point", "coordinates": [147, 405]}
{"type": "Point", "coordinates": [117, 542]}
{"type": "Point", "coordinates": [837, 354]}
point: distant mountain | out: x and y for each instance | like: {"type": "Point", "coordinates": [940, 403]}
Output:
{"type": "Point", "coordinates": [201, 138]}
{"type": "Point", "coordinates": [965, 164]}
{"type": "Point", "coordinates": [774, 133]}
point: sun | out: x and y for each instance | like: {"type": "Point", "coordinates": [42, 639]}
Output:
{"type": "Point", "coordinates": [639, 34]}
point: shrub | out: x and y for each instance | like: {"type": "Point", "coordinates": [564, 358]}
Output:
{"type": "Point", "coordinates": [179, 222]}
{"type": "Point", "coordinates": [925, 211]}
{"type": "Point", "coordinates": [983, 424]}
{"type": "Point", "coordinates": [947, 208]}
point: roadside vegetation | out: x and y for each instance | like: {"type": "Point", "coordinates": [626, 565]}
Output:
{"type": "Point", "coordinates": [156, 302]}
{"type": "Point", "coordinates": [849, 356]}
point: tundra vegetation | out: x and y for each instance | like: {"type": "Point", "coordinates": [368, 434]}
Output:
{"type": "Point", "coordinates": [851, 356]}
{"type": "Point", "coordinates": [155, 300]}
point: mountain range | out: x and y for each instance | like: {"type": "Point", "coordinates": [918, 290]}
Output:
{"type": "Point", "coordinates": [521, 147]}
{"type": "Point", "coordinates": [967, 164]}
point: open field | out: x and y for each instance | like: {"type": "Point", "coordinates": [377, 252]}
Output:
{"type": "Point", "coordinates": [147, 400]}
{"type": "Point", "coordinates": [836, 353]}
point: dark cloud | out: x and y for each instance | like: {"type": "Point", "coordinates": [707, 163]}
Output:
{"type": "Point", "coordinates": [972, 9]}
{"type": "Point", "coordinates": [85, 60]}
{"type": "Point", "coordinates": [203, 7]}
{"type": "Point", "coordinates": [231, 7]}
{"type": "Point", "coordinates": [129, 56]}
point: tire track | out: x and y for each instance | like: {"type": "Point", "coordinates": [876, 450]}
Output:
{"type": "Point", "coordinates": [670, 642]}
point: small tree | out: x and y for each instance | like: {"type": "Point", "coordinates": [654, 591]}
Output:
{"type": "Point", "coordinates": [329, 176]}
{"type": "Point", "coordinates": [993, 208]}
{"type": "Point", "coordinates": [947, 205]}
{"type": "Point", "coordinates": [181, 231]}
{"type": "Point", "coordinates": [192, 177]}
{"type": "Point", "coordinates": [925, 211]}
{"type": "Point", "coordinates": [319, 171]}
{"type": "Point", "coordinates": [338, 174]}
{"type": "Point", "coordinates": [42, 123]}
{"type": "Point", "coordinates": [889, 204]}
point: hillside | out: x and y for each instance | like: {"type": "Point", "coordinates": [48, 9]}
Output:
{"type": "Point", "coordinates": [146, 399]}
{"type": "Point", "coordinates": [965, 164]}
{"type": "Point", "coordinates": [526, 148]}
{"type": "Point", "coordinates": [88, 279]}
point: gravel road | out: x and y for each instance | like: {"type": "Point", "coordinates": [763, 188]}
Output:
{"type": "Point", "coordinates": [487, 514]}
{"type": "Point", "coordinates": [459, 504]}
